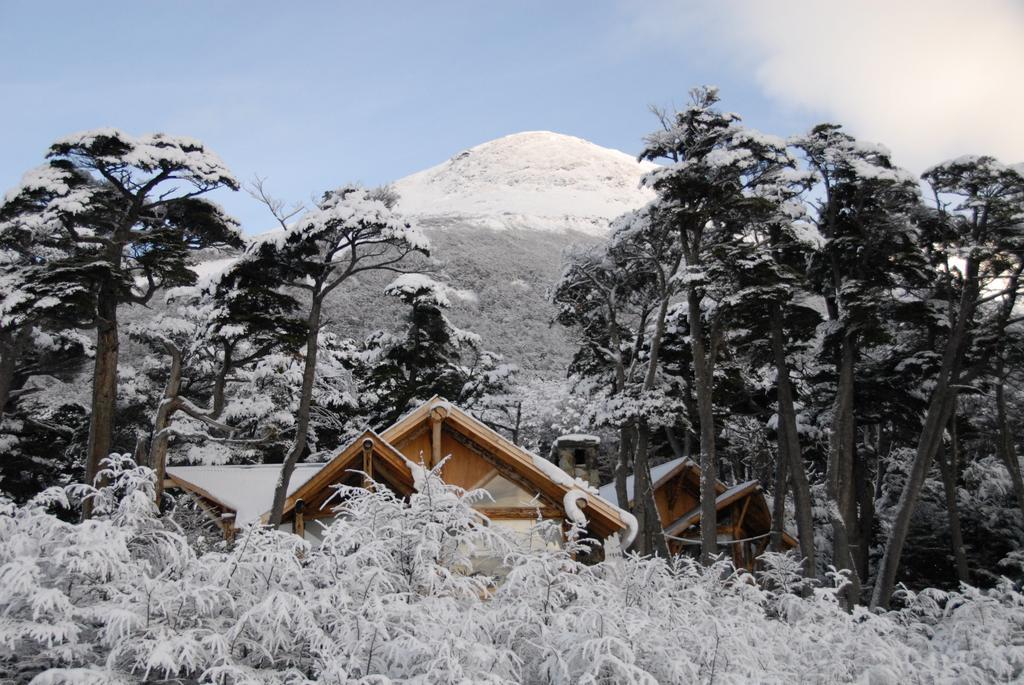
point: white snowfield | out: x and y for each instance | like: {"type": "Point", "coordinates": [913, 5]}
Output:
{"type": "Point", "coordinates": [533, 180]}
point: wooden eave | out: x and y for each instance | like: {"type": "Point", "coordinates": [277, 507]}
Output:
{"type": "Point", "coordinates": [690, 471]}
{"type": "Point", "coordinates": [194, 489]}
{"type": "Point", "coordinates": [394, 466]}
{"type": "Point", "coordinates": [693, 517]}
{"type": "Point", "coordinates": [749, 490]}
{"type": "Point", "coordinates": [214, 508]}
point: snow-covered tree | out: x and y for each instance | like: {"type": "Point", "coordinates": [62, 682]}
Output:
{"type": "Point", "coordinates": [604, 298]}
{"type": "Point", "coordinates": [865, 215]}
{"type": "Point", "coordinates": [716, 172]}
{"type": "Point", "coordinates": [199, 351]}
{"type": "Point", "coordinates": [351, 231]}
{"type": "Point", "coordinates": [394, 372]}
{"type": "Point", "coordinates": [977, 227]}
{"type": "Point", "coordinates": [112, 218]}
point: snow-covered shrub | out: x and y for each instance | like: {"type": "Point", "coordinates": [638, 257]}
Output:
{"type": "Point", "coordinates": [394, 594]}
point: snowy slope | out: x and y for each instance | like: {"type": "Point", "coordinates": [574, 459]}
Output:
{"type": "Point", "coordinates": [482, 210]}
{"type": "Point", "coordinates": [533, 180]}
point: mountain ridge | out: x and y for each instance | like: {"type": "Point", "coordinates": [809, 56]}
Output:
{"type": "Point", "coordinates": [499, 215]}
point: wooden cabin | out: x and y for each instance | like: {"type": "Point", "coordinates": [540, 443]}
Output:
{"type": "Point", "coordinates": [744, 518]}
{"type": "Point", "coordinates": [522, 485]}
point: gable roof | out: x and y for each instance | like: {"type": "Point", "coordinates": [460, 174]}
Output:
{"type": "Point", "coordinates": [547, 477]}
{"type": "Point", "coordinates": [724, 500]}
{"type": "Point", "coordinates": [658, 473]}
{"type": "Point", "coordinates": [728, 497]}
{"type": "Point", "coordinates": [248, 491]}
{"type": "Point", "coordinates": [244, 490]}
{"type": "Point", "coordinates": [403, 472]}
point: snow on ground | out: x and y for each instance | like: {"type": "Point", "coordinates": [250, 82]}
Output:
{"type": "Point", "coordinates": [395, 594]}
{"type": "Point", "coordinates": [537, 179]}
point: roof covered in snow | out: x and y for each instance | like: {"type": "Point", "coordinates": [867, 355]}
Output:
{"type": "Point", "coordinates": [658, 472]}
{"type": "Point", "coordinates": [582, 438]}
{"type": "Point", "coordinates": [247, 490]}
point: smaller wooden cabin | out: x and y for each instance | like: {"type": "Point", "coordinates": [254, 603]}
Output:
{"type": "Point", "coordinates": [521, 485]}
{"type": "Point", "coordinates": [744, 518]}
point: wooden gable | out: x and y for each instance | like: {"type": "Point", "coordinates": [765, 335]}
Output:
{"type": "Point", "coordinates": [474, 457]}
{"type": "Point", "coordinates": [743, 513]}
{"type": "Point", "coordinates": [474, 452]}
{"type": "Point", "coordinates": [368, 457]}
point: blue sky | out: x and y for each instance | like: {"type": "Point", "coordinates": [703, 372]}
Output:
{"type": "Point", "coordinates": [315, 94]}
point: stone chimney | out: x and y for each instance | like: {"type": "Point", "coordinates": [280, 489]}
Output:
{"type": "Point", "coordinates": [576, 454]}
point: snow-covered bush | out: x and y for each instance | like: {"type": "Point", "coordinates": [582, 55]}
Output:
{"type": "Point", "coordinates": [394, 594]}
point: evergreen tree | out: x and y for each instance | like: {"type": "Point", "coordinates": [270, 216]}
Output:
{"type": "Point", "coordinates": [604, 298]}
{"type": "Point", "coordinates": [977, 230]}
{"type": "Point", "coordinates": [351, 231]}
{"type": "Point", "coordinates": [865, 215]}
{"type": "Point", "coordinates": [112, 217]}
{"type": "Point", "coordinates": [199, 345]}
{"type": "Point", "coordinates": [715, 174]}
{"type": "Point", "coordinates": [396, 372]}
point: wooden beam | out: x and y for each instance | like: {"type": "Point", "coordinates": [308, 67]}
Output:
{"type": "Point", "coordinates": [221, 517]}
{"type": "Point", "coordinates": [743, 512]}
{"type": "Point", "coordinates": [437, 417]}
{"type": "Point", "coordinates": [423, 428]}
{"type": "Point", "coordinates": [520, 512]}
{"type": "Point", "coordinates": [299, 520]}
{"type": "Point", "coordinates": [227, 526]}
{"type": "Point", "coordinates": [368, 463]}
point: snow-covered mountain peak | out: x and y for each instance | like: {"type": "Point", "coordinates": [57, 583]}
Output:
{"type": "Point", "coordinates": [536, 179]}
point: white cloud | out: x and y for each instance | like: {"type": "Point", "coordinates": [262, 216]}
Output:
{"type": "Point", "coordinates": [930, 79]}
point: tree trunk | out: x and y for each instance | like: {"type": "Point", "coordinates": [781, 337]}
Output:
{"type": "Point", "coordinates": [645, 507]}
{"type": "Point", "coordinates": [702, 367]}
{"type": "Point", "coordinates": [779, 500]}
{"type": "Point", "coordinates": [643, 493]}
{"type": "Point", "coordinates": [622, 468]}
{"type": "Point", "coordinates": [104, 388]}
{"type": "Point", "coordinates": [865, 489]}
{"type": "Point", "coordinates": [678, 451]}
{"type": "Point", "coordinates": [517, 425]}
{"type": "Point", "coordinates": [864, 515]}
{"type": "Point", "coordinates": [221, 381]}
{"type": "Point", "coordinates": [625, 432]}
{"type": "Point", "coordinates": [641, 490]}
{"type": "Point", "coordinates": [11, 345]}
{"type": "Point", "coordinates": [840, 473]}
{"type": "Point", "coordinates": [302, 419]}
{"type": "Point", "coordinates": [168, 405]}
{"type": "Point", "coordinates": [949, 468]}
{"type": "Point", "coordinates": [939, 410]}
{"type": "Point", "coordinates": [789, 448]}
{"type": "Point", "coordinates": [1007, 449]}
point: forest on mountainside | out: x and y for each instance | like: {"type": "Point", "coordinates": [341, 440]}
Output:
{"type": "Point", "coordinates": [797, 311]}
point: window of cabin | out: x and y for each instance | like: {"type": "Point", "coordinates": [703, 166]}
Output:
{"type": "Point", "coordinates": [507, 494]}
{"type": "Point", "coordinates": [579, 456]}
